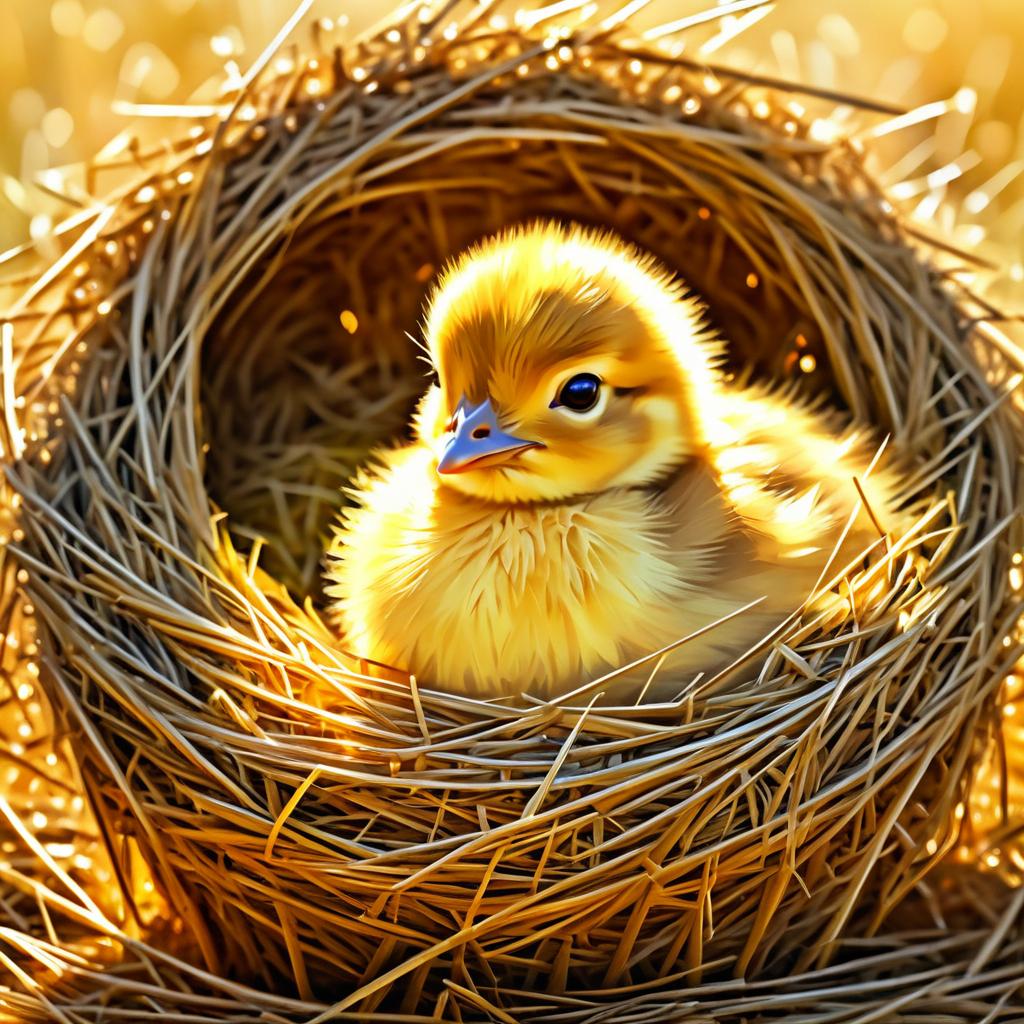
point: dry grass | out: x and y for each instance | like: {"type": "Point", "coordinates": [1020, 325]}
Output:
{"type": "Point", "coordinates": [335, 832]}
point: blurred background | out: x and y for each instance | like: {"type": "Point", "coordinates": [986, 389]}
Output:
{"type": "Point", "coordinates": [72, 69]}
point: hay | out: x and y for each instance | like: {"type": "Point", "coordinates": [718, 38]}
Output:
{"type": "Point", "coordinates": [180, 383]}
{"type": "Point", "coordinates": [954, 974]}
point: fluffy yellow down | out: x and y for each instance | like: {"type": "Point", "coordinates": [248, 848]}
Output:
{"type": "Point", "coordinates": [676, 502]}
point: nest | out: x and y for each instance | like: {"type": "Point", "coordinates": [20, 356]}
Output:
{"type": "Point", "coordinates": [221, 343]}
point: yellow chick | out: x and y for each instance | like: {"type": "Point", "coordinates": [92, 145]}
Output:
{"type": "Point", "coordinates": [586, 489]}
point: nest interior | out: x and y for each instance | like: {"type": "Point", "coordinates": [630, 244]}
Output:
{"type": "Point", "coordinates": [352, 837]}
{"type": "Point", "coordinates": [331, 311]}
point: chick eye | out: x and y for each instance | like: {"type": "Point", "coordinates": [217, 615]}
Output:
{"type": "Point", "coordinates": [579, 393]}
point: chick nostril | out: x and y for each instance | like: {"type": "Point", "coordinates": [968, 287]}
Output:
{"type": "Point", "coordinates": [480, 433]}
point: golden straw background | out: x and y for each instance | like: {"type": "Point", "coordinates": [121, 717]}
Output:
{"type": "Point", "coordinates": [75, 73]}
{"type": "Point", "coordinates": [72, 68]}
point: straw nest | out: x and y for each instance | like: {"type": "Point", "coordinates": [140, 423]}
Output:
{"type": "Point", "coordinates": [183, 400]}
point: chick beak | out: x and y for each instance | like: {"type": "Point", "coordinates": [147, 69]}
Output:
{"type": "Point", "coordinates": [479, 441]}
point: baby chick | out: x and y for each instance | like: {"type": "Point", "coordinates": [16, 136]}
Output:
{"type": "Point", "coordinates": [585, 488]}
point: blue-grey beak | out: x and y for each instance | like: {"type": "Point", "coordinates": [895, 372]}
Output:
{"type": "Point", "coordinates": [478, 437]}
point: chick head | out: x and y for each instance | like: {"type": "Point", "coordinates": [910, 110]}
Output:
{"type": "Point", "coordinates": [568, 363]}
